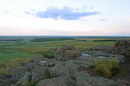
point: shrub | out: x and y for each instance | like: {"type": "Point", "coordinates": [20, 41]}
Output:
{"type": "Point", "coordinates": [48, 54]}
{"type": "Point", "coordinates": [31, 84]}
{"type": "Point", "coordinates": [107, 68]}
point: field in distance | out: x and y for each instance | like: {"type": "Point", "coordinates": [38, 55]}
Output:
{"type": "Point", "coordinates": [16, 49]}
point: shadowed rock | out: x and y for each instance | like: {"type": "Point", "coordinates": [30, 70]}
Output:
{"type": "Point", "coordinates": [103, 48]}
{"type": "Point", "coordinates": [39, 73]}
{"type": "Point", "coordinates": [18, 72]}
{"type": "Point", "coordinates": [121, 47]}
{"type": "Point", "coordinates": [5, 80]}
{"type": "Point", "coordinates": [60, 81]}
{"type": "Point", "coordinates": [100, 50]}
{"type": "Point", "coordinates": [24, 80]}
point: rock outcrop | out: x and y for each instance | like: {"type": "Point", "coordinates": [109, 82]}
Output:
{"type": "Point", "coordinates": [40, 73]}
{"type": "Point", "coordinates": [24, 80]}
{"type": "Point", "coordinates": [64, 68]}
{"type": "Point", "coordinates": [103, 48]}
{"type": "Point", "coordinates": [59, 81]}
{"type": "Point", "coordinates": [67, 69]}
{"type": "Point", "coordinates": [121, 47]}
{"type": "Point", "coordinates": [5, 80]}
{"type": "Point", "coordinates": [100, 50]}
{"type": "Point", "coordinates": [18, 72]}
{"type": "Point", "coordinates": [67, 53]}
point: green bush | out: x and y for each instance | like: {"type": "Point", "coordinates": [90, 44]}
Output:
{"type": "Point", "coordinates": [48, 54]}
{"type": "Point", "coordinates": [107, 68]}
{"type": "Point", "coordinates": [31, 84]}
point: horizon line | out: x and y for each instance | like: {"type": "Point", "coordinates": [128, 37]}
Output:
{"type": "Point", "coordinates": [61, 36]}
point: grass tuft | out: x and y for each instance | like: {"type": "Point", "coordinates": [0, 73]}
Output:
{"type": "Point", "coordinates": [107, 68]}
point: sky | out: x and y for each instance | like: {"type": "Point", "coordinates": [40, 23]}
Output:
{"type": "Point", "coordinates": [64, 18]}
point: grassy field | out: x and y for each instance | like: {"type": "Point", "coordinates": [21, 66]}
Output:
{"type": "Point", "coordinates": [14, 50]}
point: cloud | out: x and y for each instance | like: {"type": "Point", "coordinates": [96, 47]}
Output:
{"type": "Point", "coordinates": [26, 12]}
{"type": "Point", "coordinates": [102, 19]}
{"type": "Point", "coordinates": [30, 12]}
{"type": "Point", "coordinates": [65, 13]}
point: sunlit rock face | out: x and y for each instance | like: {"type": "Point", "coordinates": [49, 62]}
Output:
{"type": "Point", "coordinates": [67, 53]}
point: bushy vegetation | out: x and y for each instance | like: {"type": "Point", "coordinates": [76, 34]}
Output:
{"type": "Point", "coordinates": [106, 68]}
{"type": "Point", "coordinates": [49, 54]}
{"type": "Point", "coordinates": [104, 40]}
{"type": "Point", "coordinates": [31, 84]}
{"type": "Point", "coordinates": [50, 39]}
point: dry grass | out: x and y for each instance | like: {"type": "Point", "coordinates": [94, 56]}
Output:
{"type": "Point", "coordinates": [106, 68]}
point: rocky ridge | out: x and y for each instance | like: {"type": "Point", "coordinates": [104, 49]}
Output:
{"type": "Point", "coordinates": [67, 69]}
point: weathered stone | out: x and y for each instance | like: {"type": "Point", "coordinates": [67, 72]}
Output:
{"type": "Point", "coordinates": [24, 80]}
{"type": "Point", "coordinates": [82, 78]}
{"type": "Point", "coordinates": [83, 61]}
{"type": "Point", "coordinates": [39, 73]}
{"type": "Point", "coordinates": [60, 81]}
{"type": "Point", "coordinates": [4, 81]}
{"type": "Point", "coordinates": [121, 58]}
{"type": "Point", "coordinates": [17, 73]}
{"type": "Point", "coordinates": [64, 68]}
{"type": "Point", "coordinates": [37, 59]}
{"type": "Point", "coordinates": [48, 63]}
{"type": "Point", "coordinates": [121, 47]}
{"type": "Point", "coordinates": [42, 62]}
{"type": "Point", "coordinates": [67, 53]}
{"type": "Point", "coordinates": [99, 53]}
{"type": "Point", "coordinates": [100, 81]}
{"type": "Point", "coordinates": [30, 65]}
{"type": "Point", "coordinates": [103, 48]}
